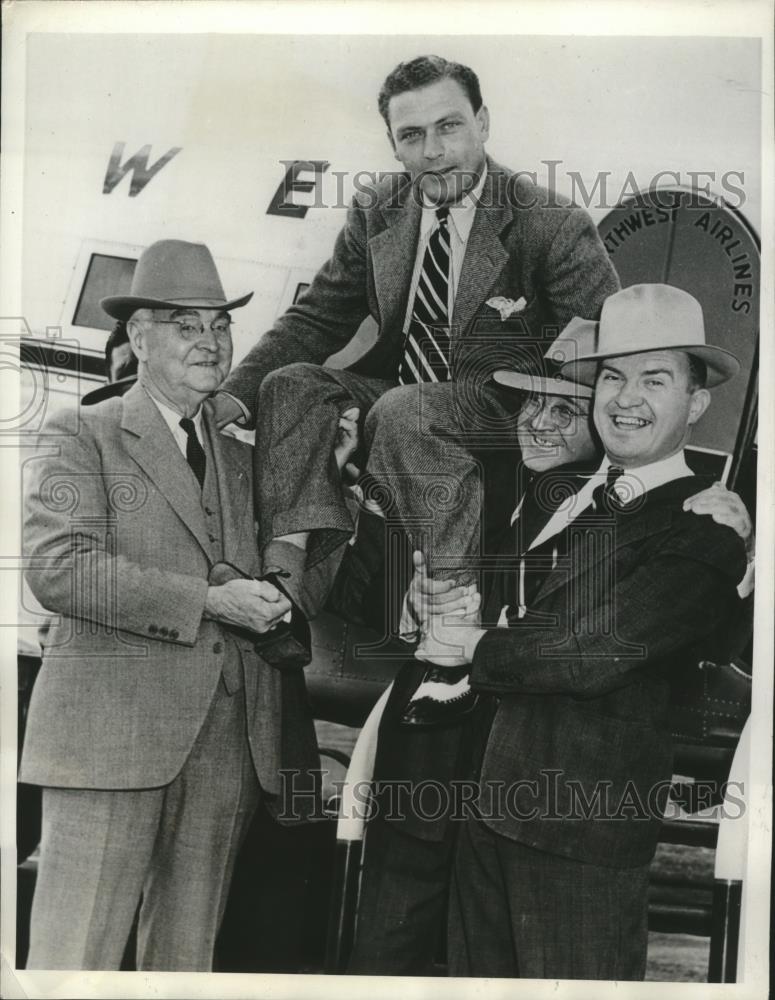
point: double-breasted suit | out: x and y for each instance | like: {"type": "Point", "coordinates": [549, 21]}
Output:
{"type": "Point", "coordinates": [119, 544]}
{"type": "Point", "coordinates": [527, 246]}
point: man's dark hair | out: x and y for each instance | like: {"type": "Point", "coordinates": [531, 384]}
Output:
{"type": "Point", "coordinates": [117, 337]}
{"type": "Point", "coordinates": [698, 373]}
{"type": "Point", "coordinates": [421, 72]}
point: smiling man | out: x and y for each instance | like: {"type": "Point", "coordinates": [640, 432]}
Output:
{"type": "Point", "coordinates": [551, 879]}
{"type": "Point", "coordinates": [460, 262]}
{"type": "Point", "coordinates": [641, 412]}
{"type": "Point", "coordinates": [156, 721]}
{"type": "Point", "coordinates": [408, 855]}
{"type": "Point", "coordinates": [554, 430]}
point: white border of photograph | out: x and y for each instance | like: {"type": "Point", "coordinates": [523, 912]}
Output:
{"type": "Point", "coordinates": [738, 18]}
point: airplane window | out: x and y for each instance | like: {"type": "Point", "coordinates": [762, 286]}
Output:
{"type": "Point", "coordinates": [105, 275]}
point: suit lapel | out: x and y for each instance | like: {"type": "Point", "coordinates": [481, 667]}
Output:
{"type": "Point", "coordinates": [232, 476]}
{"type": "Point", "coordinates": [531, 518]}
{"type": "Point", "coordinates": [393, 253]}
{"type": "Point", "coordinates": [485, 255]}
{"type": "Point", "coordinates": [150, 444]}
{"type": "Point", "coordinates": [653, 517]}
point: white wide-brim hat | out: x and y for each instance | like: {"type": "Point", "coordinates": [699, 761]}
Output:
{"type": "Point", "coordinates": [543, 376]}
{"type": "Point", "coordinates": [173, 274]}
{"type": "Point", "coordinates": [640, 319]}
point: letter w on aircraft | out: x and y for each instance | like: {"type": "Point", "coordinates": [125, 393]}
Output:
{"type": "Point", "coordinates": [137, 164]}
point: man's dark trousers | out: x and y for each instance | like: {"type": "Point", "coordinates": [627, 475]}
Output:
{"type": "Point", "coordinates": [547, 916]}
{"type": "Point", "coordinates": [409, 841]}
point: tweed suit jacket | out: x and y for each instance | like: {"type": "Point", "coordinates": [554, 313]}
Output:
{"type": "Point", "coordinates": [526, 242]}
{"type": "Point", "coordinates": [582, 683]}
{"type": "Point", "coordinates": [116, 545]}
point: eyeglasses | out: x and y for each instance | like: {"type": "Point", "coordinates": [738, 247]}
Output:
{"type": "Point", "coordinates": [562, 415]}
{"type": "Point", "coordinates": [190, 329]}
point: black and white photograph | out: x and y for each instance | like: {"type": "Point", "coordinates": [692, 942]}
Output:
{"type": "Point", "coordinates": [388, 514]}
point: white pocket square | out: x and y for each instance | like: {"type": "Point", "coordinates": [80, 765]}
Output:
{"type": "Point", "coordinates": [507, 307]}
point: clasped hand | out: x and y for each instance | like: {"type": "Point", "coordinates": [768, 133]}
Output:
{"type": "Point", "coordinates": [252, 604]}
{"type": "Point", "coordinates": [446, 614]}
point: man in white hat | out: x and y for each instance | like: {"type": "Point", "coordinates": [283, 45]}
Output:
{"type": "Point", "coordinates": [551, 877]}
{"type": "Point", "coordinates": [156, 722]}
{"type": "Point", "coordinates": [407, 864]}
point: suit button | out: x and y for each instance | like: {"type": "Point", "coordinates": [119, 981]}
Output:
{"type": "Point", "coordinates": [174, 633]}
{"type": "Point", "coordinates": [209, 512]}
{"type": "Point", "coordinates": [163, 631]}
{"type": "Point", "coordinates": [152, 629]}
{"type": "Point", "coordinates": [212, 538]}
{"type": "Point", "coordinates": [217, 647]}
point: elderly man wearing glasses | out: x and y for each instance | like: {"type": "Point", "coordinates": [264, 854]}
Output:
{"type": "Point", "coordinates": [159, 717]}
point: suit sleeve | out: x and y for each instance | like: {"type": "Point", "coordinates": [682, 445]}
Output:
{"type": "Point", "coordinates": [665, 606]}
{"type": "Point", "coordinates": [577, 274]}
{"type": "Point", "coordinates": [322, 322]}
{"type": "Point", "coordinates": [315, 582]}
{"type": "Point", "coordinates": [72, 566]}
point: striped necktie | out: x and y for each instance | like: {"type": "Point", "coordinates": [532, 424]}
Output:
{"type": "Point", "coordinates": [427, 346]}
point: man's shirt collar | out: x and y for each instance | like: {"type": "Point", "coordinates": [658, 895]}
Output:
{"type": "Point", "coordinates": [461, 215]}
{"type": "Point", "coordinates": [635, 482]}
{"type": "Point", "coordinates": [172, 419]}
{"type": "Point", "coordinates": [639, 480]}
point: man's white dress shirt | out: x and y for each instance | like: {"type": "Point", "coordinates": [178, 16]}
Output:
{"type": "Point", "coordinates": [461, 220]}
{"type": "Point", "coordinates": [172, 419]}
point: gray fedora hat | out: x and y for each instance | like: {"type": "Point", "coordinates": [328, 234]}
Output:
{"type": "Point", "coordinates": [173, 274]}
{"type": "Point", "coordinates": [645, 318]}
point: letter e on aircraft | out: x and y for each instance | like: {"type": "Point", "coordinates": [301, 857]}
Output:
{"type": "Point", "coordinates": [137, 164]}
{"type": "Point", "coordinates": [281, 203]}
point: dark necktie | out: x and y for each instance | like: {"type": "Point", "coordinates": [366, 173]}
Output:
{"type": "Point", "coordinates": [605, 497]}
{"type": "Point", "coordinates": [427, 346]}
{"type": "Point", "coordinates": [195, 453]}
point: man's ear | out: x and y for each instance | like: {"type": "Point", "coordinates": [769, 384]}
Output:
{"type": "Point", "coordinates": [136, 335]}
{"type": "Point", "coordinates": [699, 403]}
{"type": "Point", "coordinates": [483, 118]}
